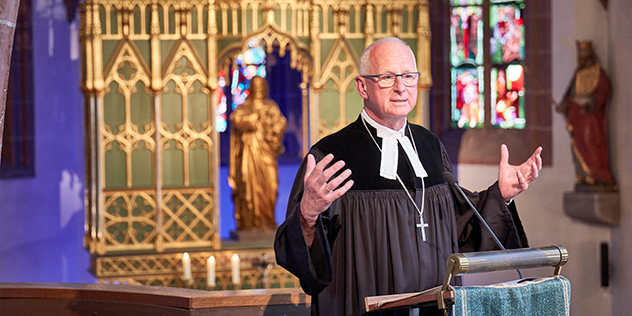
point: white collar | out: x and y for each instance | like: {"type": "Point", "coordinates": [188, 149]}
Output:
{"type": "Point", "coordinates": [390, 138]}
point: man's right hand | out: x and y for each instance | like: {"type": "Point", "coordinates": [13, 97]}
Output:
{"type": "Point", "coordinates": [318, 194]}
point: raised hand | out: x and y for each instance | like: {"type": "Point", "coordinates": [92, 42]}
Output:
{"type": "Point", "coordinates": [318, 194]}
{"type": "Point", "coordinates": [514, 179]}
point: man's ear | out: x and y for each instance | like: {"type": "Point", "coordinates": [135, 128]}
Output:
{"type": "Point", "coordinates": [361, 86]}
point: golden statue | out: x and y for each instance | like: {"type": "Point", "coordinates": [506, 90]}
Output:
{"type": "Point", "coordinates": [255, 144]}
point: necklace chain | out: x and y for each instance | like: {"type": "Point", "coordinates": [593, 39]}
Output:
{"type": "Point", "coordinates": [423, 186]}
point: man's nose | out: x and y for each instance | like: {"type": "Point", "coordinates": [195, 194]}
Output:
{"type": "Point", "coordinates": [399, 84]}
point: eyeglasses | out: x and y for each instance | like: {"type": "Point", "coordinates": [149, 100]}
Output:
{"type": "Point", "coordinates": [388, 80]}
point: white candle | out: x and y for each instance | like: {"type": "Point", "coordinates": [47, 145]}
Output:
{"type": "Point", "coordinates": [210, 272]}
{"type": "Point", "coordinates": [186, 265]}
{"type": "Point", "coordinates": [235, 264]}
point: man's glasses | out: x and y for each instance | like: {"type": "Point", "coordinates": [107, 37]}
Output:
{"type": "Point", "coordinates": [388, 80]}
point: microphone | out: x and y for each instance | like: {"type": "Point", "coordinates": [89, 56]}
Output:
{"type": "Point", "coordinates": [452, 181]}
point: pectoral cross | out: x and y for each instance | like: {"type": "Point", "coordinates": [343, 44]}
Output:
{"type": "Point", "coordinates": [422, 226]}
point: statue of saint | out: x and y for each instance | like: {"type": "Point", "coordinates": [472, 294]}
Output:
{"type": "Point", "coordinates": [256, 141]}
{"type": "Point", "coordinates": [584, 106]}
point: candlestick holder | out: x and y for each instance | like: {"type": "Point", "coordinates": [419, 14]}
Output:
{"type": "Point", "coordinates": [188, 282]}
{"type": "Point", "coordinates": [265, 265]}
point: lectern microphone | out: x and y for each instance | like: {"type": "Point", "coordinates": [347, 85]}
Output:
{"type": "Point", "coordinates": [454, 182]}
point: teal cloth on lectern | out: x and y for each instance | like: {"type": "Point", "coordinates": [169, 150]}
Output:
{"type": "Point", "coordinates": [546, 297]}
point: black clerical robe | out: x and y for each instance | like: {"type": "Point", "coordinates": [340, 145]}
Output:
{"type": "Point", "coordinates": [367, 243]}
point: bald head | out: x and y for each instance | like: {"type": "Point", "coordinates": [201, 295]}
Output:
{"type": "Point", "coordinates": [366, 60]}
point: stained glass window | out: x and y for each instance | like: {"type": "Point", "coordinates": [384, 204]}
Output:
{"type": "Point", "coordinates": [467, 97]}
{"type": "Point", "coordinates": [502, 70]}
{"type": "Point", "coordinates": [466, 35]}
{"type": "Point", "coordinates": [250, 63]}
{"type": "Point", "coordinates": [507, 41]}
{"type": "Point", "coordinates": [507, 97]}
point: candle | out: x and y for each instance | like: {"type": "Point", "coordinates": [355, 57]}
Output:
{"type": "Point", "coordinates": [210, 272]}
{"type": "Point", "coordinates": [235, 264]}
{"type": "Point", "coordinates": [186, 265]}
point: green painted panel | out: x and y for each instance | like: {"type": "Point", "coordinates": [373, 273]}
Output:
{"type": "Point", "coordinates": [229, 21]}
{"type": "Point", "coordinates": [102, 18]}
{"type": "Point", "coordinates": [330, 20]}
{"type": "Point", "coordinates": [141, 107]}
{"type": "Point", "coordinates": [142, 158]}
{"type": "Point", "coordinates": [114, 20]}
{"type": "Point", "coordinates": [358, 46]}
{"type": "Point", "coordinates": [137, 22]}
{"type": "Point", "coordinates": [354, 103]}
{"type": "Point", "coordinates": [362, 19]}
{"type": "Point", "coordinates": [224, 42]}
{"type": "Point", "coordinates": [144, 47]}
{"type": "Point", "coordinates": [172, 166]}
{"type": "Point", "coordinates": [198, 165]}
{"type": "Point", "coordinates": [201, 48]}
{"type": "Point", "coordinates": [325, 48]}
{"type": "Point", "coordinates": [218, 18]}
{"type": "Point", "coordinates": [142, 167]}
{"type": "Point", "coordinates": [305, 40]}
{"type": "Point", "coordinates": [260, 18]}
{"type": "Point", "coordinates": [288, 17]}
{"type": "Point", "coordinates": [329, 104]}
{"type": "Point", "coordinates": [239, 19]}
{"type": "Point", "coordinates": [115, 177]}
{"type": "Point", "coordinates": [194, 20]}
{"type": "Point", "coordinates": [383, 27]}
{"type": "Point", "coordinates": [277, 15]}
{"type": "Point", "coordinates": [249, 20]}
{"type": "Point", "coordinates": [412, 42]}
{"type": "Point", "coordinates": [352, 19]}
{"type": "Point", "coordinates": [108, 49]}
{"type": "Point", "coordinates": [172, 20]}
{"type": "Point", "coordinates": [198, 106]}
{"type": "Point", "coordinates": [165, 48]}
{"type": "Point", "coordinates": [114, 108]}
{"type": "Point", "coordinates": [205, 20]}
{"type": "Point", "coordinates": [161, 19]}
{"type": "Point", "coordinates": [148, 19]}
{"type": "Point", "coordinates": [171, 107]}
{"type": "Point", "coordinates": [415, 17]}
{"type": "Point", "coordinates": [405, 19]}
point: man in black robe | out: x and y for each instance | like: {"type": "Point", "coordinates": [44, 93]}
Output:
{"type": "Point", "coordinates": [387, 222]}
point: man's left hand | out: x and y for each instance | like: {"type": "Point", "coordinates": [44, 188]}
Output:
{"type": "Point", "coordinates": [514, 179]}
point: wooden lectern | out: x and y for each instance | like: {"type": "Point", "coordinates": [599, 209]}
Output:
{"type": "Point", "coordinates": [442, 298]}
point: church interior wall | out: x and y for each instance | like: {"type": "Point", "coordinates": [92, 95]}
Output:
{"type": "Point", "coordinates": [541, 207]}
{"type": "Point", "coordinates": [41, 218]}
{"type": "Point", "coordinates": [620, 44]}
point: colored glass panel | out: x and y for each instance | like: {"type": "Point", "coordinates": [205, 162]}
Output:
{"type": "Point", "coordinates": [507, 96]}
{"type": "Point", "coordinates": [507, 41]}
{"type": "Point", "coordinates": [465, 2]}
{"type": "Point", "coordinates": [250, 63]}
{"type": "Point", "coordinates": [467, 97]}
{"type": "Point", "coordinates": [466, 35]}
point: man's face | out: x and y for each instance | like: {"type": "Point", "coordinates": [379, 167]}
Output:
{"type": "Point", "coordinates": [389, 106]}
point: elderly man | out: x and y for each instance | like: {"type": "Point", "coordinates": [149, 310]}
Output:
{"type": "Point", "coordinates": [381, 219]}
